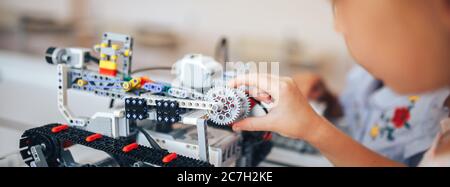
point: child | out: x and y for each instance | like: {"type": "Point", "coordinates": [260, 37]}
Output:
{"type": "Point", "coordinates": [403, 43]}
{"type": "Point", "coordinates": [399, 127]}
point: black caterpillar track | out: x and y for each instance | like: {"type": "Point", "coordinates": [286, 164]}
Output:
{"type": "Point", "coordinates": [54, 143]}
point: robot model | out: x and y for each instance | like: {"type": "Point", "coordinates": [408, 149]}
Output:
{"type": "Point", "coordinates": [185, 123]}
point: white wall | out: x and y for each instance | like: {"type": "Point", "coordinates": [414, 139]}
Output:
{"type": "Point", "coordinates": [58, 8]}
{"type": "Point", "coordinates": [257, 29]}
{"type": "Point", "coordinates": [307, 20]}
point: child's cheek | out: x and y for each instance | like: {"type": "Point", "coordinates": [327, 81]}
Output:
{"type": "Point", "coordinates": [370, 33]}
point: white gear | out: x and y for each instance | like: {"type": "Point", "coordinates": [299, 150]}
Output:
{"type": "Point", "coordinates": [234, 105]}
{"type": "Point", "coordinates": [245, 101]}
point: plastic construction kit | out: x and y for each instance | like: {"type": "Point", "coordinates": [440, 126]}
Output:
{"type": "Point", "coordinates": [159, 124]}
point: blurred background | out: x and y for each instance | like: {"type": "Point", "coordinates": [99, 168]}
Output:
{"type": "Point", "coordinates": [297, 33]}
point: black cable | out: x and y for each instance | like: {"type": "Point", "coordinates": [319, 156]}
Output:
{"type": "Point", "coordinates": [150, 69]}
{"type": "Point", "coordinates": [149, 139]}
{"type": "Point", "coordinates": [92, 58]}
{"type": "Point", "coordinates": [222, 49]}
{"type": "Point", "coordinates": [260, 104]}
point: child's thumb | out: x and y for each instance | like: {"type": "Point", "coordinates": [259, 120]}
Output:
{"type": "Point", "coordinates": [252, 124]}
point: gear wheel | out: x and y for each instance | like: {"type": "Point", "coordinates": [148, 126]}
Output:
{"type": "Point", "coordinates": [234, 105]}
{"type": "Point", "coordinates": [244, 100]}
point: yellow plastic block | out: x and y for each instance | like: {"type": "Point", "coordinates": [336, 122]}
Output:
{"type": "Point", "coordinates": [414, 98]}
{"type": "Point", "coordinates": [135, 82]}
{"type": "Point", "coordinates": [115, 47]}
{"type": "Point", "coordinates": [105, 64]}
{"type": "Point", "coordinates": [127, 53]}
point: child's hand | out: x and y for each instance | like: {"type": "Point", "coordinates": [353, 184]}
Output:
{"type": "Point", "coordinates": [311, 86]}
{"type": "Point", "coordinates": [291, 114]}
{"type": "Point", "coordinates": [293, 117]}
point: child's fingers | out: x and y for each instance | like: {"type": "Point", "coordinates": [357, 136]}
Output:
{"type": "Point", "coordinates": [252, 124]}
{"type": "Point", "coordinates": [263, 82]}
{"type": "Point", "coordinates": [306, 81]}
{"type": "Point", "coordinates": [310, 85]}
{"type": "Point", "coordinates": [260, 95]}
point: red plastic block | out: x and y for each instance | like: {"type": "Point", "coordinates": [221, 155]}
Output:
{"type": "Point", "coordinates": [130, 147]}
{"type": "Point", "coordinates": [60, 128]}
{"type": "Point", "coordinates": [145, 80]}
{"type": "Point", "coordinates": [67, 144]}
{"type": "Point", "coordinates": [252, 103]}
{"type": "Point", "coordinates": [93, 137]}
{"type": "Point", "coordinates": [267, 136]}
{"type": "Point", "coordinates": [107, 72]}
{"type": "Point", "coordinates": [168, 158]}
